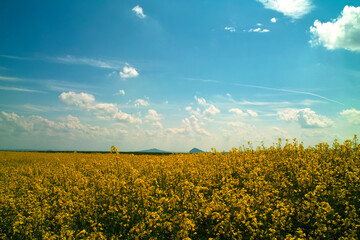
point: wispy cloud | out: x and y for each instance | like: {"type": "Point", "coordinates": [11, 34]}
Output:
{"type": "Point", "coordinates": [258, 103]}
{"type": "Point", "coordinates": [88, 61]}
{"type": "Point", "coordinates": [203, 80]}
{"type": "Point", "coordinates": [16, 57]}
{"type": "Point", "coordinates": [11, 79]}
{"type": "Point", "coordinates": [19, 89]}
{"type": "Point", "coordinates": [290, 91]}
{"type": "Point", "coordinates": [139, 11]}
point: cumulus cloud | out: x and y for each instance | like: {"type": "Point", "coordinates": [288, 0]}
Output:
{"type": "Point", "coordinates": [273, 20]}
{"type": "Point", "coordinates": [306, 117]}
{"type": "Point", "coordinates": [125, 117]}
{"type": "Point", "coordinates": [230, 29]}
{"type": "Point", "coordinates": [78, 99]}
{"type": "Point", "coordinates": [238, 112]}
{"type": "Point", "coordinates": [109, 108]}
{"type": "Point", "coordinates": [138, 11]}
{"type": "Point", "coordinates": [129, 72]}
{"type": "Point", "coordinates": [141, 102]}
{"type": "Point", "coordinates": [291, 8]}
{"type": "Point", "coordinates": [241, 113]}
{"type": "Point", "coordinates": [259, 30]}
{"type": "Point", "coordinates": [16, 124]}
{"type": "Point", "coordinates": [343, 32]}
{"type": "Point", "coordinates": [210, 109]}
{"type": "Point", "coordinates": [352, 115]}
{"type": "Point", "coordinates": [104, 111]}
{"type": "Point", "coordinates": [189, 126]}
{"type": "Point", "coordinates": [153, 115]}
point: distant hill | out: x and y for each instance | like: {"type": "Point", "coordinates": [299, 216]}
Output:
{"type": "Point", "coordinates": [196, 150]}
{"type": "Point", "coordinates": [153, 150]}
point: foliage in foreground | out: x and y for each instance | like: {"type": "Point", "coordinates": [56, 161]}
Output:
{"type": "Point", "coordinates": [281, 192]}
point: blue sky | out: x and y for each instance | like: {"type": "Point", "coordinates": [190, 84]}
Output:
{"type": "Point", "coordinates": [85, 75]}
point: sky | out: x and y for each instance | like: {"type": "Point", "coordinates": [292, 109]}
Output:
{"type": "Point", "coordinates": [173, 75]}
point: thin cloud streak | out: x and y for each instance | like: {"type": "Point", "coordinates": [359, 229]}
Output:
{"type": "Point", "coordinates": [290, 91]}
{"type": "Point", "coordinates": [202, 80]}
{"type": "Point", "coordinates": [68, 59]}
{"type": "Point", "coordinates": [16, 57]}
{"type": "Point", "coordinates": [10, 79]}
{"type": "Point", "coordinates": [19, 89]}
{"type": "Point", "coordinates": [87, 61]}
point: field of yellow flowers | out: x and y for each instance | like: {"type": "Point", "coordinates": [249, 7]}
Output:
{"type": "Point", "coordinates": [284, 191]}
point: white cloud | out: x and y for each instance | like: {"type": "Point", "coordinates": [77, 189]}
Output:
{"type": "Point", "coordinates": [108, 108]}
{"type": "Point", "coordinates": [189, 126]}
{"type": "Point", "coordinates": [129, 72]}
{"type": "Point", "coordinates": [201, 101]}
{"type": "Point", "coordinates": [120, 92]}
{"type": "Point", "coordinates": [306, 117]}
{"type": "Point", "coordinates": [78, 99]}
{"type": "Point", "coordinates": [241, 113]}
{"type": "Point", "coordinates": [230, 29]}
{"type": "Point", "coordinates": [125, 117]}
{"type": "Point", "coordinates": [259, 30]}
{"type": "Point", "coordinates": [237, 124]}
{"type": "Point", "coordinates": [11, 79]}
{"type": "Point", "coordinates": [139, 11]}
{"type": "Point", "coordinates": [273, 20]}
{"type": "Point", "coordinates": [87, 61]}
{"type": "Point", "coordinates": [104, 111]}
{"type": "Point", "coordinates": [252, 113]}
{"type": "Point", "coordinates": [158, 125]}
{"type": "Point", "coordinates": [238, 112]}
{"type": "Point", "coordinates": [352, 115]}
{"type": "Point", "coordinates": [19, 89]}
{"type": "Point", "coordinates": [71, 126]}
{"type": "Point", "coordinates": [141, 102]}
{"type": "Point", "coordinates": [211, 111]}
{"type": "Point", "coordinates": [291, 8]}
{"type": "Point", "coordinates": [153, 115]}
{"type": "Point", "coordinates": [343, 32]}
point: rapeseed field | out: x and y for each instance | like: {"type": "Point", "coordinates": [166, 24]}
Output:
{"type": "Point", "coordinates": [284, 191]}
